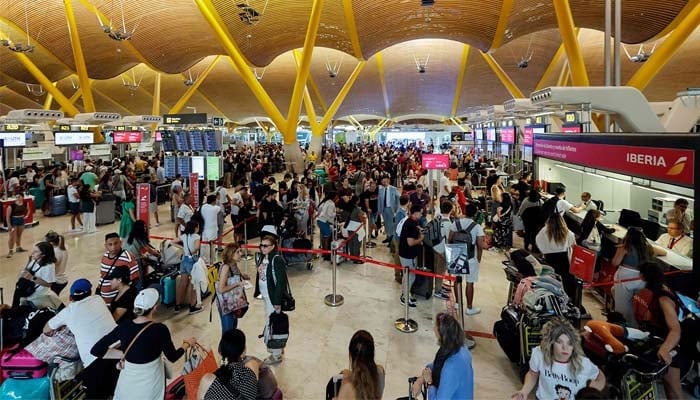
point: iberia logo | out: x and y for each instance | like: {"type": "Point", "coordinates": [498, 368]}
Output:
{"type": "Point", "coordinates": [677, 167]}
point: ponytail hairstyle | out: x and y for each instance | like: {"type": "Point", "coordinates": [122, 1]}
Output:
{"type": "Point", "coordinates": [231, 348]}
{"type": "Point", "coordinates": [56, 240]}
{"type": "Point", "coordinates": [365, 374]}
{"type": "Point", "coordinates": [451, 338]}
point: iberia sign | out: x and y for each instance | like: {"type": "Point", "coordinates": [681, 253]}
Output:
{"type": "Point", "coordinates": [661, 164]}
{"type": "Point", "coordinates": [435, 161]}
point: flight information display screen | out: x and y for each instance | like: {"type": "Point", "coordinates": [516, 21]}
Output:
{"type": "Point", "coordinates": [210, 141]}
{"type": "Point", "coordinates": [170, 165]}
{"type": "Point", "coordinates": [168, 141]}
{"type": "Point", "coordinates": [183, 166]}
{"type": "Point", "coordinates": [181, 143]}
{"type": "Point", "coordinates": [196, 141]}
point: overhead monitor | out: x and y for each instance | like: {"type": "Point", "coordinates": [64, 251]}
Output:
{"type": "Point", "coordinates": [505, 149]}
{"type": "Point", "coordinates": [168, 141]}
{"type": "Point", "coordinates": [183, 166]}
{"type": "Point", "coordinates": [127, 137]}
{"type": "Point", "coordinates": [181, 143]}
{"type": "Point", "coordinates": [198, 166]}
{"type": "Point", "coordinates": [159, 136]}
{"type": "Point", "coordinates": [196, 142]}
{"type": "Point", "coordinates": [491, 134]}
{"type": "Point", "coordinates": [73, 138]}
{"type": "Point", "coordinates": [77, 155]}
{"type": "Point", "coordinates": [527, 153]}
{"type": "Point", "coordinates": [170, 166]}
{"type": "Point", "coordinates": [211, 143]}
{"type": "Point", "coordinates": [13, 139]}
{"type": "Point", "coordinates": [508, 134]}
{"type": "Point", "coordinates": [479, 133]}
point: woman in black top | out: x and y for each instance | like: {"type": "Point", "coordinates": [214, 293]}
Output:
{"type": "Point", "coordinates": [143, 341]}
{"type": "Point", "coordinates": [235, 379]}
{"type": "Point", "coordinates": [503, 223]}
{"type": "Point", "coordinates": [15, 224]}
{"type": "Point", "coordinates": [122, 307]}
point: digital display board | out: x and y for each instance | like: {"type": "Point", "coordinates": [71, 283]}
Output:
{"type": "Point", "coordinates": [159, 136]}
{"type": "Point", "coordinates": [127, 137]}
{"type": "Point", "coordinates": [13, 139]}
{"type": "Point", "coordinates": [435, 161]}
{"type": "Point", "coordinates": [170, 166]}
{"type": "Point", "coordinates": [196, 142]}
{"type": "Point", "coordinates": [508, 134]}
{"type": "Point", "coordinates": [479, 134]}
{"type": "Point", "coordinates": [213, 168]}
{"type": "Point", "coordinates": [491, 134]}
{"type": "Point", "coordinates": [183, 166]}
{"type": "Point", "coordinates": [72, 138]}
{"type": "Point", "coordinates": [198, 166]}
{"type": "Point", "coordinates": [181, 143]}
{"type": "Point", "coordinates": [185, 119]}
{"type": "Point", "coordinates": [77, 155]}
{"type": "Point", "coordinates": [529, 133]}
{"type": "Point", "coordinates": [574, 128]}
{"type": "Point", "coordinates": [505, 149]}
{"type": "Point", "coordinates": [210, 141]}
{"type": "Point", "coordinates": [168, 141]}
{"type": "Point", "coordinates": [527, 153]}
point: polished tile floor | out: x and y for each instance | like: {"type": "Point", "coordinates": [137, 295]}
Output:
{"type": "Point", "coordinates": [320, 334]}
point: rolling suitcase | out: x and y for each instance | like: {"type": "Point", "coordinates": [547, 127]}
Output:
{"type": "Point", "coordinates": [26, 389]}
{"type": "Point", "coordinates": [105, 210]}
{"type": "Point", "coordinates": [168, 285]}
{"type": "Point", "coordinates": [423, 285]}
{"type": "Point", "coordinates": [59, 205]}
{"type": "Point", "coordinates": [22, 365]}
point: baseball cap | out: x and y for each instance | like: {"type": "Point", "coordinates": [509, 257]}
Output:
{"type": "Point", "coordinates": [80, 287]}
{"type": "Point", "coordinates": [118, 273]}
{"type": "Point", "coordinates": [88, 168]}
{"type": "Point", "coordinates": [117, 171]}
{"type": "Point", "coordinates": [146, 299]}
{"type": "Point", "coordinates": [269, 229]}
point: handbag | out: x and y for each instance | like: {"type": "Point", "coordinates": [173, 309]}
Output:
{"type": "Point", "coordinates": [26, 287]}
{"type": "Point", "coordinates": [121, 362]}
{"type": "Point", "coordinates": [234, 300]}
{"type": "Point", "coordinates": [207, 365]}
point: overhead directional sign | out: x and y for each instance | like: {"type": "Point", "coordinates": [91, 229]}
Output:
{"type": "Point", "coordinates": [185, 119]}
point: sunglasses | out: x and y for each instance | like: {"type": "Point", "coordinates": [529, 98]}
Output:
{"type": "Point", "coordinates": [264, 246]}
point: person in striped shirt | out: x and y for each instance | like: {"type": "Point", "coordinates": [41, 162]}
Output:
{"type": "Point", "coordinates": [115, 257]}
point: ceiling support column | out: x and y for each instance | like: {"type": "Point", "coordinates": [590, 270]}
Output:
{"type": "Point", "coordinates": [663, 54]}
{"type": "Point", "coordinates": [155, 109]}
{"type": "Point", "coordinates": [78, 94]}
{"type": "Point", "coordinates": [340, 97]}
{"type": "Point", "coordinates": [79, 58]}
{"type": "Point", "coordinates": [311, 114]}
{"type": "Point", "coordinates": [502, 76]}
{"type": "Point", "coordinates": [60, 98]}
{"type": "Point", "coordinates": [552, 65]}
{"type": "Point", "coordinates": [506, 8]}
{"type": "Point", "coordinates": [373, 132]}
{"type": "Point", "coordinates": [352, 29]}
{"type": "Point", "coordinates": [239, 62]}
{"type": "Point", "coordinates": [565, 20]}
{"type": "Point", "coordinates": [49, 99]}
{"type": "Point", "coordinates": [289, 134]}
{"type": "Point", "coordinates": [177, 107]}
{"type": "Point", "coordinates": [460, 79]}
{"type": "Point", "coordinates": [380, 68]}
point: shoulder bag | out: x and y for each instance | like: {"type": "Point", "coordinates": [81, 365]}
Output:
{"type": "Point", "coordinates": [288, 302]}
{"type": "Point", "coordinates": [120, 364]}
{"type": "Point", "coordinates": [98, 291]}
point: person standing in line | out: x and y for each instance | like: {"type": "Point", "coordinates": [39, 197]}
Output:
{"type": "Point", "coordinates": [410, 241]}
{"type": "Point", "coordinates": [41, 270]}
{"type": "Point", "coordinates": [388, 204]}
{"type": "Point", "coordinates": [59, 249]}
{"type": "Point", "coordinates": [184, 214]}
{"type": "Point", "coordinates": [88, 318]}
{"type": "Point", "coordinates": [555, 241]}
{"type": "Point", "coordinates": [479, 243]}
{"type": "Point", "coordinates": [272, 281]}
{"type": "Point", "coordinates": [143, 342]}
{"type": "Point", "coordinates": [210, 215]}
{"type": "Point", "coordinates": [365, 378]}
{"type": "Point", "coordinates": [325, 219]}
{"type": "Point", "coordinates": [231, 280]}
{"type": "Point", "coordinates": [191, 246]}
{"type": "Point", "coordinates": [128, 216]}
{"type": "Point", "coordinates": [445, 186]}
{"type": "Point", "coordinates": [442, 291]}
{"type": "Point", "coordinates": [73, 194]}
{"type": "Point", "coordinates": [16, 216]}
{"type": "Point", "coordinates": [87, 207]}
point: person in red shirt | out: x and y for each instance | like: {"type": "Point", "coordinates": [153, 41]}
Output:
{"type": "Point", "coordinates": [115, 257]}
{"type": "Point", "coordinates": [461, 197]}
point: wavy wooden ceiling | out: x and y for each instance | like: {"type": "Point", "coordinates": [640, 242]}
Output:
{"type": "Point", "coordinates": [171, 37]}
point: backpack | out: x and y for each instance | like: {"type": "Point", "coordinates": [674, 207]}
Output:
{"type": "Point", "coordinates": [278, 333]}
{"type": "Point", "coordinates": [399, 226]}
{"type": "Point", "coordinates": [197, 216]}
{"type": "Point", "coordinates": [465, 236]}
{"type": "Point", "coordinates": [433, 232]}
{"type": "Point", "coordinates": [549, 207]}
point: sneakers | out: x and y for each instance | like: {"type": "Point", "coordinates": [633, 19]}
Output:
{"type": "Point", "coordinates": [441, 295]}
{"type": "Point", "coordinates": [272, 360]}
{"type": "Point", "coordinates": [470, 343]}
{"type": "Point", "coordinates": [9, 255]}
{"type": "Point", "coordinates": [20, 250]}
{"type": "Point", "coordinates": [411, 302]}
{"type": "Point", "coordinates": [259, 297]}
{"type": "Point", "coordinates": [472, 311]}
{"type": "Point", "coordinates": [195, 310]}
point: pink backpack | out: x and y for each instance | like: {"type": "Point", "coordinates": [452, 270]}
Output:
{"type": "Point", "coordinates": [524, 286]}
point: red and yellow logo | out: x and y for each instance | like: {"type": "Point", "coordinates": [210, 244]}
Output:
{"type": "Point", "coordinates": [677, 167]}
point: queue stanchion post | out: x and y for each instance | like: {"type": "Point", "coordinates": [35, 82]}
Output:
{"type": "Point", "coordinates": [405, 324]}
{"type": "Point", "coordinates": [247, 255]}
{"type": "Point", "coordinates": [334, 299]}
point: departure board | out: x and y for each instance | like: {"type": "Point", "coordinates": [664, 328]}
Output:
{"type": "Point", "coordinates": [168, 141]}
{"type": "Point", "coordinates": [210, 141]}
{"type": "Point", "coordinates": [196, 141]}
{"type": "Point", "coordinates": [170, 166]}
{"type": "Point", "coordinates": [183, 166]}
{"type": "Point", "coordinates": [181, 143]}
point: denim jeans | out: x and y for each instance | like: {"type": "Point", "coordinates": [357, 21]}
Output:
{"type": "Point", "coordinates": [228, 321]}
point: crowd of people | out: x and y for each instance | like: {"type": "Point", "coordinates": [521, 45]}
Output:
{"type": "Point", "coordinates": [381, 187]}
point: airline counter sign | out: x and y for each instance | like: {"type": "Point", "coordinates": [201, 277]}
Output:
{"type": "Point", "coordinates": [663, 164]}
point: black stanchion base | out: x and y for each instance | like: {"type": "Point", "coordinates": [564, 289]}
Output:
{"type": "Point", "coordinates": [406, 325]}
{"type": "Point", "coordinates": [334, 300]}
{"type": "Point", "coordinates": [370, 245]}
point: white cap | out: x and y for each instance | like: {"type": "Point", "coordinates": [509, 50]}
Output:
{"type": "Point", "coordinates": [269, 229]}
{"type": "Point", "coordinates": [146, 299]}
{"type": "Point", "coordinates": [88, 168]}
{"type": "Point", "coordinates": [117, 171]}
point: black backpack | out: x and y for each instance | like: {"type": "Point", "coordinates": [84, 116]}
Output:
{"type": "Point", "coordinates": [549, 207]}
{"type": "Point", "coordinates": [465, 236]}
{"type": "Point", "coordinates": [433, 232]}
{"type": "Point", "coordinates": [197, 216]}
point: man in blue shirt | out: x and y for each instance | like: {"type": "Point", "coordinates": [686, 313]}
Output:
{"type": "Point", "coordinates": [388, 204]}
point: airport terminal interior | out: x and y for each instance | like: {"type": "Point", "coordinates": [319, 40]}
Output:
{"type": "Point", "coordinates": [498, 96]}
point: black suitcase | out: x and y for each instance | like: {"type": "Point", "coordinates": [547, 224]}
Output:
{"type": "Point", "coordinates": [105, 210]}
{"type": "Point", "coordinates": [423, 285]}
{"type": "Point", "coordinates": [59, 205]}
{"type": "Point", "coordinates": [507, 333]}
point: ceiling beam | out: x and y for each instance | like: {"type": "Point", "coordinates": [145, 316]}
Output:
{"type": "Point", "coordinates": [460, 79]}
{"type": "Point", "coordinates": [314, 89]}
{"type": "Point", "coordinates": [290, 133]}
{"type": "Point", "coordinates": [506, 8]}
{"type": "Point", "coordinates": [78, 94]}
{"type": "Point", "coordinates": [177, 107]}
{"type": "Point", "coordinates": [380, 68]}
{"type": "Point", "coordinates": [125, 111]}
{"type": "Point", "coordinates": [352, 29]}
{"type": "Point", "coordinates": [308, 104]}
{"type": "Point", "coordinates": [341, 95]}
{"type": "Point", "coordinates": [38, 44]}
{"type": "Point", "coordinates": [665, 51]}
{"type": "Point", "coordinates": [239, 62]}
{"type": "Point", "coordinates": [508, 83]}
{"type": "Point", "coordinates": [212, 104]}
{"type": "Point", "coordinates": [79, 57]}
{"type": "Point", "coordinates": [564, 74]}
{"type": "Point", "coordinates": [155, 109]}
{"type": "Point", "coordinates": [552, 65]}
{"type": "Point", "coordinates": [565, 20]}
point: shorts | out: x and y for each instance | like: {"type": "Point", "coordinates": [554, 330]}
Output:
{"type": "Point", "coordinates": [17, 221]}
{"type": "Point", "coordinates": [473, 275]}
{"type": "Point", "coordinates": [409, 263]}
{"type": "Point", "coordinates": [187, 264]}
{"type": "Point", "coordinates": [74, 208]}
{"type": "Point", "coordinates": [153, 207]}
